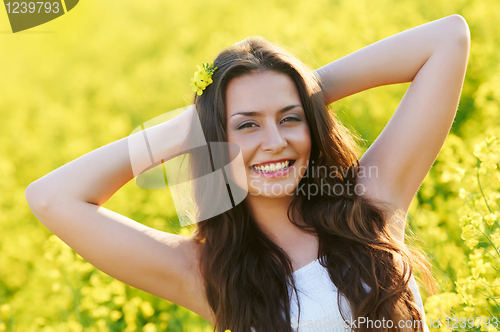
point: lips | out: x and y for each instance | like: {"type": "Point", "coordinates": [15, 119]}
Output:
{"type": "Point", "coordinates": [273, 167]}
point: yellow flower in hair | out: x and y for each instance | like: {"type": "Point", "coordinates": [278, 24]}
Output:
{"type": "Point", "coordinates": [202, 77]}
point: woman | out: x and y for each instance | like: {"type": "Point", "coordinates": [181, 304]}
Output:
{"type": "Point", "coordinates": [247, 267]}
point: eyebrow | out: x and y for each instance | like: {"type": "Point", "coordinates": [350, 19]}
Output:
{"type": "Point", "coordinates": [253, 113]}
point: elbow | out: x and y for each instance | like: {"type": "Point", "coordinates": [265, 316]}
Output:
{"type": "Point", "coordinates": [37, 200]}
{"type": "Point", "coordinates": [459, 30]}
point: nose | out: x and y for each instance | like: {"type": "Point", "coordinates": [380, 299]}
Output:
{"type": "Point", "coordinates": [273, 140]}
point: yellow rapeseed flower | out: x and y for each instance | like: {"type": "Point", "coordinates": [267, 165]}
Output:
{"type": "Point", "coordinates": [495, 238]}
{"type": "Point", "coordinates": [490, 219]}
{"type": "Point", "coordinates": [115, 315]}
{"type": "Point", "coordinates": [476, 271]}
{"type": "Point", "coordinates": [469, 232]}
{"type": "Point", "coordinates": [494, 196]}
{"type": "Point", "coordinates": [460, 171]}
{"type": "Point", "coordinates": [468, 299]}
{"type": "Point", "coordinates": [481, 150]}
{"type": "Point", "coordinates": [471, 243]}
{"type": "Point", "coordinates": [149, 327]}
{"type": "Point", "coordinates": [147, 309]}
{"type": "Point", "coordinates": [476, 255]}
{"type": "Point", "coordinates": [202, 77]}
{"type": "Point", "coordinates": [462, 193]}
{"type": "Point", "coordinates": [476, 219]}
{"type": "Point", "coordinates": [5, 311]}
{"type": "Point", "coordinates": [491, 138]}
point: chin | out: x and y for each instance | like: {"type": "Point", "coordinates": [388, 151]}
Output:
{"type": "Point", "coordinates": [272, 190]}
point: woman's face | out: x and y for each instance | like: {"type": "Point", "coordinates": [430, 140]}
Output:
{"type": "Point", "coordinates": [266, 120]}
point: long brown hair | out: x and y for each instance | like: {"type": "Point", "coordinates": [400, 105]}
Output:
{"type": "Point", "coordinates": [246, 275]}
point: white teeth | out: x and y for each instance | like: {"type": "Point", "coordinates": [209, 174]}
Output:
{"type": "Point", "coordinates": [271, 168]}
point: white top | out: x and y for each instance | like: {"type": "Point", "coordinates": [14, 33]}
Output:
{"type": "Point", "coordinates": [319, 309]}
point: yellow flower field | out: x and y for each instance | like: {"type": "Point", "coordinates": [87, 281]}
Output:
{"type": "Point", "coordinates": [93, 75]}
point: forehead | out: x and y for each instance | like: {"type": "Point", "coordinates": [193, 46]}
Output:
{"type": "Point", "coordinates": [263, 91]}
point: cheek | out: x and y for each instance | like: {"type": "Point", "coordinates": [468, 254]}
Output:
{"type": "Point", "coordinates": [308, 140]}
{"type": "Point", "coordinates": [247, 145]}
{"type": "Point", "coordinates": [303, 141]}
{"type": "Point", "coordinates": [307, 143]}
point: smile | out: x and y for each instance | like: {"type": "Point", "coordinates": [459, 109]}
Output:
{"type": "Point", "coordinates": [278, 168]}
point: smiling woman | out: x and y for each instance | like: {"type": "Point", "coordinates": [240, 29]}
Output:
{"type": "Point", "coordinates": [289, 248]}
{"type": "Point", "coordinates": [274, 109]}
{"type": "Point", "coordinates": [274, 136]}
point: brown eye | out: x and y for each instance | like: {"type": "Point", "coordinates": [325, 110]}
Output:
{"type": "Point", "coordinates": [290, 118]}
{"type": "Point", "coordinates": [246, 125]}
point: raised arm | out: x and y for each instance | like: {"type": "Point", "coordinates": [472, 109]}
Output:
{"type": "Point", "coordinates": [433, 57]}
{"type": "Point", "coordinates": [68, 202]}
{"type": "Point", "coordinates": [395, 59]}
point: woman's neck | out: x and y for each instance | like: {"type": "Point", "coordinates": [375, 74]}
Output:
{"type": "Point", "coordinates": [270, 214]}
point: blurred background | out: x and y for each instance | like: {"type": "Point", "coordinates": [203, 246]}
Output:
{"type": "Point", "coordinates": [94, 74]}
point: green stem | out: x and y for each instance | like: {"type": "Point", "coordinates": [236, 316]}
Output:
{"type": "Point", "coordinates": [490, 297]}
{"type": "Point", "coordinates": [489, 239]}
{"type": "Point", "coordinates": [492, 256]}
{"type": "Point", "coordinates": [480, 187]}
{"type": "Point", "coordinates": [494, 268]}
